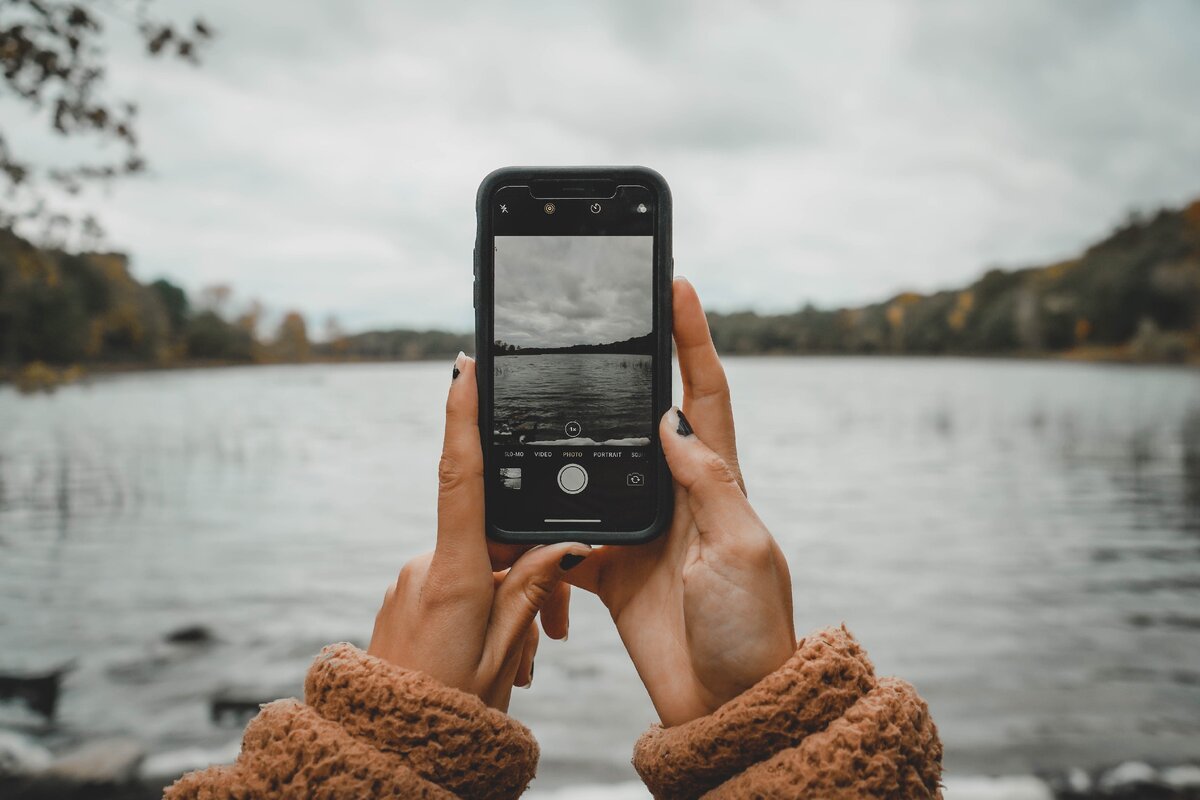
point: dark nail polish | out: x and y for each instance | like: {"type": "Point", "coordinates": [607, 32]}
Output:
{"type": "Point", "coordinates": [684, 428]}
{"type": "Point", "coordinates": [570, 560]}
{"type": "Point", "coordinates": [532, 664]}
{"type": "Point", "coordinates": [456, 373]}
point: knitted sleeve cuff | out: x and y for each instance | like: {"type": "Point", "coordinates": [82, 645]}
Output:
{"type": "Point", "coordinates": [885, 745]}
{"type": "Point", "coordinates": [826, 676]}
{"type": "Point", "coordinates": [445, 736]}
{"type": "Point", "coordinates": [290, 751]}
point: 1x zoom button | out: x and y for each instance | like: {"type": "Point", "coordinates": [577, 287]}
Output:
{"type": "Point", "coordinates": [572, 479]}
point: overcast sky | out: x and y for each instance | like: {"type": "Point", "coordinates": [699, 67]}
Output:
{"type": "Point", "coordinates": [326, 155]}
{"type": "Point", "coordinates": [556, 291]}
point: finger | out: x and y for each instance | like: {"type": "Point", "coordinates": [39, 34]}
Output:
{"type": "Point", "coordinates": [718, 505]}
{"type": "Point", "coordinates": [461, 542]}
{"type": "Point", "coordinates": [587, 575]}
{"type": "Point", "coordinates": [555, 614]}
{"type": "Point", "coordinates": [556, 611]}
{"type": "Point", "coordinates": [525, 590]}
{"type": "Point", "coordinates": [503, 555]}
{"type": "Point", "coordinates": [524, 676]}
{"type": "Point", "coordinates": [705, 387]}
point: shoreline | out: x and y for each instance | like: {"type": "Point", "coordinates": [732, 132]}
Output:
{"type": "Point", "coordinates": [38, 376]}
{"type": "Point", "coordinates": [121, 768]}
{"type": "Point", "coordinates": [1131, 780]}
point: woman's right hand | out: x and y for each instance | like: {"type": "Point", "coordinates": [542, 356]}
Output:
{"type": "Point", "coordinates": [705, 610]}
{"type": "Point", "coordinates": [461, 614]}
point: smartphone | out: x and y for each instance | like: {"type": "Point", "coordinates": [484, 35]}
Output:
{"type": "Point", "coordinates": [573, 276]}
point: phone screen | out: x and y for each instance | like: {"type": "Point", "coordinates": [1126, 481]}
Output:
{"type": "Point", "coordinates": [573, 428]}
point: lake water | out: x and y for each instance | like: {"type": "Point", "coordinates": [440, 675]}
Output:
{"type": "Point", "coordinates": [607, 394]}
{"type": "Point", "coordinates": [1021, 540]}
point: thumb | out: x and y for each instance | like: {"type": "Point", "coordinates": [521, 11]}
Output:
{"type": "Point", "coordinates": [527, 587]}
{"type": "Point", "coordinates": [714, 495]}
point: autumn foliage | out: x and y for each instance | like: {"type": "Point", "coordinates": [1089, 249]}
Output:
{"type": "Point", "coordinates": [1135, 295]}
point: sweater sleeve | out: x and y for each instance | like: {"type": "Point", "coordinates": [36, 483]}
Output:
{"type": "Point", "coordinates": [370, 729]}
{"type": "Point", "coordinates": [822, 725]}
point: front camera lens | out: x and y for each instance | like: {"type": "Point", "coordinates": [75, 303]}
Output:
{"type": "Point", "coordinates": [548, 208]}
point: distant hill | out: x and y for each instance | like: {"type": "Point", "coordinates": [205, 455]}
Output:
{"type": "Point", "coordinates": [637, 344]}
{"type": "Point", "coordinates": [1133, 296]}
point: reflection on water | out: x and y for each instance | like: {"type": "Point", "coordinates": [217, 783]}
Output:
{"type": "Point", "coordinates": [1021, 540]}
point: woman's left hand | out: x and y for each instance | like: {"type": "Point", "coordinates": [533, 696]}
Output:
{"type": "Point", "coordinates": [449, 614]}
{"type": "Point", "coordinates": [705, 610]}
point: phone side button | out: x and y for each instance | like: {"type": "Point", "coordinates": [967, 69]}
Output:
{"type": "Point", "coordinates": [475, 295]}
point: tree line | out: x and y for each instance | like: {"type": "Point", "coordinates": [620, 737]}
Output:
{"type": "Point", "coordinates": [64, 308]}
{"type": "Point", "coordinates": [1135, 296]}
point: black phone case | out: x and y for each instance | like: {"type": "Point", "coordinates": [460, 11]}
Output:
{"type": "Point", "coordinates": [664, 272]}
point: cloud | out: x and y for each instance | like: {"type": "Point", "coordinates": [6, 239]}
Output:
{"type": "Point", "coordinates": [325, 157]}
{"type": "Point", "coordinates": [557, 291]}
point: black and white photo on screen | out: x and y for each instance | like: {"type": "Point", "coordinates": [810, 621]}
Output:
{"type": "Point", "coordinates": [573, 340]}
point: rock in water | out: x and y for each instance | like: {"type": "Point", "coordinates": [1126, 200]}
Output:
{"type": "Point", "coordinates": [231, 710]}
{"type": "Point", "coordinates": [192, 634]}
{"type": "Point", "coordinates": [39, 692]}
{"type": "Point", "coordinates": [112, 760]}
{"type": "Point", "coordinates": [21, 756]}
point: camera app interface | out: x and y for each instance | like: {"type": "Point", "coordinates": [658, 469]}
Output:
{"type": "Point", "coordinates": [573, 381]}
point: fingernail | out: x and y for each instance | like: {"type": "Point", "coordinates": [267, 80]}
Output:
{"type": "Point", "coordinates": [457, 371]}
{"type": "Point", "coordinates": [683, 429]}
{"type": "Point", "coordinates": [570, 560]}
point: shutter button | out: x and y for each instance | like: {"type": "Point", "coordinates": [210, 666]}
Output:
{"type": "Point", "coordinates": [572, 479]}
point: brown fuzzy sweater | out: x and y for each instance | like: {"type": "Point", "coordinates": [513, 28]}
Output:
{"type": "Point", "coordinates": [821, 726]}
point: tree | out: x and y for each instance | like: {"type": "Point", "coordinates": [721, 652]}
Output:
{"type": "Point", "coordinates": [251, 317]}
{"type": "Point", "coordinates": [53, 61]}
{"type": "Point", "coordinates": [335, 335]}
{"type": "Point", "coordinates": [291, 343]}
{"type": "Point", "coordinates": [175, 301]}
{"type": "Point", "coordinates": [215, 298]}
{"type": "Point", "coordinates": [210, 337]}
